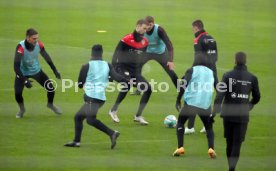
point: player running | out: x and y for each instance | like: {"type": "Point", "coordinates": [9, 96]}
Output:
{"type": "Point", "coordinates": [128, 60]}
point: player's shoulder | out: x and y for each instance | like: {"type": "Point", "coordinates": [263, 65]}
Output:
{"type": "Point", "coordinates": [41, 44]}
{"type": "Point", "coordinates": [229, 74]}
{"type": "Point", "coordinates": [252, 76]}
{"type": "Point", "coordinates": [129, 40]}
{"type": "Point", "coordinates": [128, 37]}
{"type": "Point", "coordinates": [20, 49]}
{"type": "Point", "coordinates": [207, 36]}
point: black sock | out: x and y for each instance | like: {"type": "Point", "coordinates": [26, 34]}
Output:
{"type": "Point", "coordinates": [120, 98]}
{"type": "Point", "coordinates": [144, 100]}
{"type": "Point", "coordinates": [180, 135]}
{"type": "Point", "coordinates": [210, 137]}
{"type": "Point", "coordinates": [21, 106]}
{"type": "Point", "coordinates": [50, 96]}
{"type": "Point", "coordinates": [78, 126]}
{"type": "Point", "coordinates": [180, 130]}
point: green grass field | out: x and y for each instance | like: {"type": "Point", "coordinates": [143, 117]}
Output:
{"type": "Point", "coordinates": [68, 30]}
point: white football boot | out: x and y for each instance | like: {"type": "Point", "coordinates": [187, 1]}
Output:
{"type": "Point", "coordinates": [189, 131]}
{"type": "Point", "coordinates": [113, 115]}
{"type": "Point", "coordinates": [141, 120]}
{"type": "Point", "coordinates": [203, 130]}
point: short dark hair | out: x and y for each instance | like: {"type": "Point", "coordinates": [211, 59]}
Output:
{"type": "Point", "coordinates": [141, 21]}
{"type": "Point", "coordinates": [31, 31]}
{"type": "Point", "coordinates": [200, 59]}
{"type": "Point", "coordinates": [240, 58]}
{"type": "Point", "coordinates": [198, 24]}
{"type": "Point", "coordinates": [149, 19]}
{"type": "Point", "coordinates": [97, 50]}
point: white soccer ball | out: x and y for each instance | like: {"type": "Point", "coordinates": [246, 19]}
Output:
{"type": "Point", "coordinates": [170, 121]}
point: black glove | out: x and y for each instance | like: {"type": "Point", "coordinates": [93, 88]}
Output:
{"type": "Point", "coordinates": [211, 117]}
{"type": "Point", "coordinates": [110, 79]}
{"type": "Point", "coordinates": [250, 106]}
{"type": "Point", "coordinates": [57, 74]}
{"type": "Point", "coordinates": [28, 83]}
{"type": "Point", "coordinates": [178, 105]}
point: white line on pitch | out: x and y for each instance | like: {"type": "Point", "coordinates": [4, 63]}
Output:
{"type": "Point", "coordinates": [262, 138]}
{"type": "Point", "coordinates": [130, 141]}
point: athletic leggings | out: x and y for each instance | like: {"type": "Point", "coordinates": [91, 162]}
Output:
{"type": "Point", "coordinates": [42, 79]}
{"type": "Point", "coordinates": [163, 59]}
{"type": "Point", "coordinates": [188, 111]}
{"type": "Point", "coordinates": [235, 135]}
{"type": "Point", "coordinates": [143, 86]}
{"type": "Point", "coordinates": [89, 112]}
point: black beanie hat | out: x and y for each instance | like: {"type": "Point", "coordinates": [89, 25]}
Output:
{"type": "Point", "coordinates": [97, 50]}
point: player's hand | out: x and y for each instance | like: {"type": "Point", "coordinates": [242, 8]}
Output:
{"type": "Point", "coordinates": [250, 106]}
{"type": "Point", "coordinates": [170, 65]}
{"type": "Point", "coordinates": [110, 79]}
{"type": "Point", "coordinates": [178, 105]}
{"type": "Point", "coordinates": [57, 74]}
{"type": "Point", "coordinates": [211, 117]}
{"type": "Point", "coordinates": [28, 83]}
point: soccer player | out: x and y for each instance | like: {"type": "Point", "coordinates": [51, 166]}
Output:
{"type": "Point", "coordinates": [93, 78]}
{"type": "Point", "coordinates": [204, 44]}
{"type": "Point", "coordinates": [234, 104]}
{"type": "Point", "coordinates": [197, 88]}
{"type": "Point", "coordinates": [160, 48]}
{"type": "Point", "coordinates": [128, 60]}
{"type": "Point", "coordinates": [26, 65]}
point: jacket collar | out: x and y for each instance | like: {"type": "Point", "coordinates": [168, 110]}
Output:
{"type": "Point", "coordinates": [199, 32]}
{"type": "Point", "coordinates": [241, 67]}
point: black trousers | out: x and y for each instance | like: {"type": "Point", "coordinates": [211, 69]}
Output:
{"type": "Point", "coordinates": [188, 111]}
{"type": "Point", "coordinates": [42, 79]}
{"type": "Point", "coordinates": [142, 85]}
{"type": "Point", "coordinates": [191, 122]}
{"type": "Point", "coordinates": [235, 135]}
{"type": "Point", "coordinates": [163, 59]}
{"type": "Point", "coordinates": [89, 112]}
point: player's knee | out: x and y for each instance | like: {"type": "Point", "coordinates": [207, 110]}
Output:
{"type": "Point", "coordinates": [145, 87]}
{"type": "Point", "coordinates": [91, 120]}
{"type": "Point", "coordinates": [78, 117]}
{"type": "Point", "coordinates": [49, 87]}
{"type": "Point", "coordinates": [18, 97]}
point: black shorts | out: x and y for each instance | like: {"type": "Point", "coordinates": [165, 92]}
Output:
{"type": "Point", "coordinates": [136, 76]}
{"type": "Point", "coordinates": [234, 131]}
{"type": "Point", "coordinates": [162, 59]}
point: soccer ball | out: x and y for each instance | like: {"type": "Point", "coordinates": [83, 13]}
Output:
{"type": "Point", "coordinates": [170, 121]}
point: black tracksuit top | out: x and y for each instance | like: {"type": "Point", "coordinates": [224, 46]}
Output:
{"type": "Point", "coordinates": [236, 102]}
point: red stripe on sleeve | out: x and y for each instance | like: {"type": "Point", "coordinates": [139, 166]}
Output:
{"type": "Point", "coordinates": [41, 45]}
{"type": "Point", "coordinates": [129, 40]}
{"type": "Point", "coordinates": [20, 50]}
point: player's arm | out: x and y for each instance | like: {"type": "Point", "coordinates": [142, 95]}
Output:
{"type": "Point", "coordinates": [220, 95]}
{"type": "Point", "coordinates": [118, 52]}
{"type": "Point", "coordinates": [115, 76]}
{"type": "Point", "coordinates": [19, 52]}
{"type": "Point", "coordinates": [256, 96]}
{"type": "Point", "coordinates": [183, 85]}
{"type": "Point", "coordinates": [83, 75]}
{"type": "Point", "coordinates": [163, 36]}
{"type": "Point", "coordinates": [48, 59]}
{"type": "Point", "coordinates": [209, 45]}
